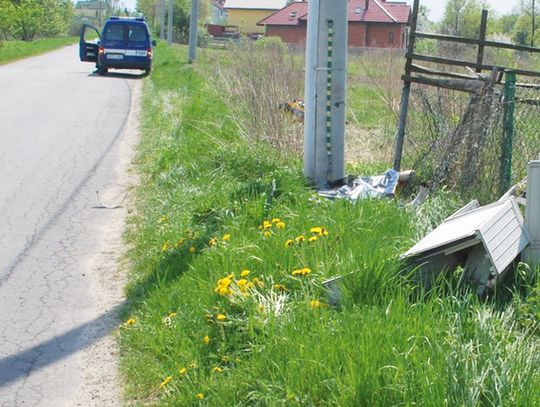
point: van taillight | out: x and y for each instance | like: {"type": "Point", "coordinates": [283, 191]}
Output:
{"type": "Point", "coordinates": [101, 50]}
{"type": "Point", "coordinates": [149, 53]}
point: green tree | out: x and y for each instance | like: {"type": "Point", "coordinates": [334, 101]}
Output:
{"type": "Point", "coordinates": [522, 33]}
{"type": "Point", "coordinates": [462, 17]}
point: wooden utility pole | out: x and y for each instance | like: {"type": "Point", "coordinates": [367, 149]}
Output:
{"type": "Point", "coordinates": [325, 94]}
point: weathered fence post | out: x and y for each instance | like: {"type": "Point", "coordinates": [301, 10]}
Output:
{"type": "Point", "coordinates": [170, 22]}
{"type": "Point", "coordinates": [406, 91]}
{"type": "Point", "coordinates": [508, 136]}
{"type": "Point", "coordinates": [162, 14]}
{"type": "Point", "coordinates": [193, 30]}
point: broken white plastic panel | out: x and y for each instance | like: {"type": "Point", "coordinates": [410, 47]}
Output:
{"type": "Point", "coordinates": [485, 240]}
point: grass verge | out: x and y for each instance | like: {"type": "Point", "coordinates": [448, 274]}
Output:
{"type": "Point", "coordinates": [225, 304]}
{"type": "Point", "coordinates": [13, 50]}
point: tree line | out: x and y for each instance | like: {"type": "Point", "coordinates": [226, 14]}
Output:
{"type": "Point", "coordinates": [462, 18]}
{"type": "Point", "coordinates": [28, 19]}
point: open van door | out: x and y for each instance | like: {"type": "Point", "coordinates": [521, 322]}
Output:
{"type": "Point", "coordinates": [89, 43]}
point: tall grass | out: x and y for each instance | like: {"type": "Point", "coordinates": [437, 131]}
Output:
{"type": "Point", "coordinates": [13, 50]}
{"type": "Point", "coordinates": [274, 339]}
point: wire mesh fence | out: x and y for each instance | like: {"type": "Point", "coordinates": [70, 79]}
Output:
{"type": "Point", "coordinates": [456, 139]}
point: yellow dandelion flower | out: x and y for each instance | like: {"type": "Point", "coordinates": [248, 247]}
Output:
{"type": "Point", "coordinates": [226, 237]}
{"type": "Point", "coordinates": [301, 272]}
{"type": "Point", "coordinates": [192, 249]}
{"type": "Point", "coordinates": [199, 396]}
{"type": "Point", "coordinates": [313, 239]}
{"type": "Point", "coordinates": [300, 239]}
{"type": "Point", "coordinates": [242, 285]}
{"type": "Point", "coordinates": [267, 233]}
{"type": "Point", "coordinates": [257, 282]}
{"type": "Point", "coordinates": [267, 225]}
{"type": "Point", "coordinates": [193, 365]}
{"type": "Point", "coordinates": [221, 317]}
{"type": "Point", "coordinates": [276, 220]}
{"type": "Point", "coordinates": [280, 287]}
{"type": "Point", "coordinates": [129, 322]}
{"type": "Point", "coordinates": [280, 225]}
{"type": "Point", "coordinates": [213, 241]}
{"type": "Point", "coordinates": [245, 273]}
{"type": "Point", "coordinates": [217, 369]}
{"type": "Point", "coordinates": [162, 219]}
{"type": "Point", "coordinates": [166, 246]}
{"type": "Point", "coordinates": [289, 243]}
{"type": "Point", "coordinates": [314, 303]}
{"type": "Point", "coordinates": [316, 230]}
{"type": "Point", "coordinates": [206, 340]}
{"type": "Point", "coordinates": [325, 232]}
{"type": "Point", "coordinates": [172, 315]}
{"type": "Point", "coordinates": [261, 308]}
{"type": "Point", "coordinates": [179, 242]}
{"type": "Point", "coordinates": [182, 371]}
{"type": "Point", "coordinates": [249, 285]}
{"type": "Point", "coordinates": [165, 382]}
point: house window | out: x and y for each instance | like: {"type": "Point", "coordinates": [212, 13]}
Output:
{"type": "Point", "coordinates": [292, 14]}
{"type": "Point", "coordinates": [391, 37]}
{"type": "Point", "coordinates": [358, 10]}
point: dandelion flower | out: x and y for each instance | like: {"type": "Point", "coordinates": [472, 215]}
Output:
{"type": "Point", "coordinates": [226, 237]}
{"type": "Point", "coordinates": [206, 340]}
{"type": "Point", "coordinates": [212, 242]}
{"type": "Point", "coordinates": [314, 303]}
{"type": "Point", "coordinates": [280, 287]}
{"type": "Point", "coordinates": [316, 230]}
{"type": "Point", "coordinates": [172, 315]}
{"type": "Point", "coordinates": [166, 246]}
{"type": "Point", "coordinates": [257, 282]}
{"type": "Point", "coordinates": [165, 382]}
{"type": "Point", "coordinates": [193, 365]}
{"type": "Point", "coordinates": [289, 243]}
{"type": "Point", "coordinates": [130, 321]}
{"type": "Point", "coordinates": [280, 225]}
{"type": "Point", "coordinates": [182, 371]}
{"type": "Point", "coordinates": [217, 369]}
{"type": "Point", "coordinates": [245, 273]}
{"type": "Point", "coordinates": [267, 225]}
{"type": "Point", "coordinates": [221, 317]}
{"type": "Point", "coordinates": [242, 285]}
{"type": "Point", "coordinates": [192, 249]}
{"type": "Point", "coordinates": [267, 233]}
{"type": "Point", "coordinates": [301, 272]}
{"type": "Point", "coordinates": [179, 242]}
{"type": "Point", "coordinates": [162, 219]}
{"type": "Point", "coordinates": [199, 396]}
{"type": "Point", "coordinates": [313, 239]}
{"type": "Point", "coordinates": [223, 285]}
{"type": "Point", "coordinates": [276, 220]}
{"type": "Point", "coordinates": [300, 239]}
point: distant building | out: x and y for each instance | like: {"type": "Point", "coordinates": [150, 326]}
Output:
{"type": "Point", "coordinates": [90, 11]}
{"type": "Point", "coordinates": [245, 14]}
{"type": "Point", "coordinates": [218, 14]}
{"type": "Point", "coordinates": [372, 23]}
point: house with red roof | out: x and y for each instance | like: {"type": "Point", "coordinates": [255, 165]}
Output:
{"type": "Point", "coordinates": [372, 23]}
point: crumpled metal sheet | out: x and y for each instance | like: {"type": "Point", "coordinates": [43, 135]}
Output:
{"type": "Point", "coordinates": [380, 186]}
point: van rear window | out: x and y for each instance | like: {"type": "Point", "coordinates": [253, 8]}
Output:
{"type": "Point", "coordinates": [125, 32]}
{"type": "Point", "coordinates": [136, 33]}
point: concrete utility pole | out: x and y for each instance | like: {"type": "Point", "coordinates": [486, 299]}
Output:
{"type": "Point", "coordinates": [533, 22]}
{"type": "Point", "coordinates": [163, 5]}
{"type": "Point", "coordinates": [326, 77]}
{"type": "Point", "coordinates": [169, 22]}
{"type": "Point", "coordinates": [532, 215]}
{"type": "Point", "coordinates": [193, 30]}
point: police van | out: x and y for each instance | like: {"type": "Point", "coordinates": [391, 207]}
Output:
{"type": "Point", "coordinates": [124, 43]}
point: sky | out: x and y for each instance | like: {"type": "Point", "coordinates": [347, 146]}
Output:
{"type": "Point", "coordinates": [437, 6]}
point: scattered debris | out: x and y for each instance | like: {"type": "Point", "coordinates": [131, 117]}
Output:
{"type": "Point", "coordinates": [110, 206]}
{"type": "Point", "coordinates": [296, 108]}
{"type": "Point", "coordinates": [485, 241]}
{"type": "Point", "coordinates": [381, 186]}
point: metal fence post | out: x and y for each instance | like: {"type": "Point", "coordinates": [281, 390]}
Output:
{"type": "Point", "coordinates": [170, 22]}
{"type": "Point", "coordinates": [193, 30]}
{"type": "Point", "coordinates": [508, 136]}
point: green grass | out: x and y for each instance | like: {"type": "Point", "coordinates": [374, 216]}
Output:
{"type": "Point", "coordinates": [388, 344]}
{"type": "Point", "coordinates": [13, 50]}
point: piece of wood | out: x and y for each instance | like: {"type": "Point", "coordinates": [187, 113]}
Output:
{"type": "Point", "coordinates": [482, 38]}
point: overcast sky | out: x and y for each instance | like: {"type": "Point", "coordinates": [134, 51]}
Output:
{"type": "Point", "coordinates": [437, 6]}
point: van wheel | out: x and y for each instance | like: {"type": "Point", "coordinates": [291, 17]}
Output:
{"type": "Point", "coordinates": [147, 71]}
{"type": "Point", "coordinates": [102, 71]}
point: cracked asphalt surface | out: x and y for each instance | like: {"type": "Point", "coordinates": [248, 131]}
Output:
{"type": "Point", "coordinates": [61, 130]}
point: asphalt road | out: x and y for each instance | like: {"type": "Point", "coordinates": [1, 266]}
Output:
{"type": "Point", "coordinates": [61, 130]}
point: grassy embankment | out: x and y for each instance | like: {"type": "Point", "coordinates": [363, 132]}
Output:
{"type": "Point", "coordinates": [202, 330]}
{"type": "Point", "coordinates": [13, 50]}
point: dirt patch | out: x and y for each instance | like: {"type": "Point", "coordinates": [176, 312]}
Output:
{"type": "Point", "coordinates": [101, 384]}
